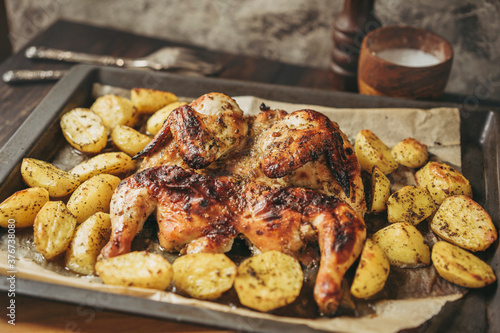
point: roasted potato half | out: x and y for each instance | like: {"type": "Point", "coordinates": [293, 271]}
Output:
{"type": "Point", "coordinates": [461, 267]}
{"type": "Point", "coordinates": [58, 183]}
{"type": "Point", "coordinates": [151, 100]}
{"type": "Point", "coordinates": [371, 151]}
{"type": "Point", "coordinates": [372, 271]}
{"type": "Point", "coordinates": [22, 207]}
{"type": "Point", "coordinates": [411, 153]}
{"type": "Point", "coordinates": [204, 275]}
{"type": "Point", "coordinates": [268, 281]}
{"type": "Point", "coordinates": [84, 130]}
{"type": "Point", "coordinates": [441, 180]}
{"type": "Point", "coordinates": [381, 190]}
{"type": "Point", "coordinates": [155, 122]}
{"type": "Point", "coordinates": [92, 196]}
{"type": "Point", "coordinates": [136, 269]}
{"type": "Point", "coordinates": [129, 140]}
{"type": "Point", "coordinates": [403, 245]}
{"type": "Point", "coordinates": [117, 164]}
{"type": "Point", "coordinates": [87, 242]}
{"type": "Point", "coordinates": [115, 110]}
{"type": "Point", "coordinates": [410, 204]}
{"type": "Point", "coordinates": [463, 222]}
{"type": "Point", "coordinates": [53, 229]}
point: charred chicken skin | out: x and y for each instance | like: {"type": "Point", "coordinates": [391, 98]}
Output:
{"type": "Point", "coordinates": [286, 182]}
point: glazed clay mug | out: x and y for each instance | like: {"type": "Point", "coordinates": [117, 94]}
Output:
{"type": "Point", "coordinates": [404, 61]}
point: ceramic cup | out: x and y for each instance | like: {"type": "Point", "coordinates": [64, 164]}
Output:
{"type": "Point", "coordinates": [404, 61]}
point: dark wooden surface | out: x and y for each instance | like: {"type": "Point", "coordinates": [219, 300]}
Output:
{"type": "Point", "coordinates": [17, 101]}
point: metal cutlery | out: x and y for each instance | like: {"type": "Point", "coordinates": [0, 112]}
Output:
{"type": "Point", "coordinates": [22, 75]}
{"type": "Point", "coordinates": [167, 58]}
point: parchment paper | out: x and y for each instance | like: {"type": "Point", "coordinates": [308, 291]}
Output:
{"type": "Point", "coordinates": [438, 128]}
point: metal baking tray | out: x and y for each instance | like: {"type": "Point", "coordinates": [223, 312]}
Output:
{"type": "Point", "coordinates": [39, 137]}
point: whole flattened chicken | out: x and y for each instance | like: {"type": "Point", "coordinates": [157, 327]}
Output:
{"type": "Point", "coordinates": [286, 182]}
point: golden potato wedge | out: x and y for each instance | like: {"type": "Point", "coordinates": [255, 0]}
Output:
{"type": "Point", "coordinates": [155, 122]}
{"type": "Point", "coordinates": [372, 271]}
{"type": "Point", "coordinates": [411, 153]}
{"type": "Point", "coordinates": [403, 245]}
{"type": "Point", "coordinates": [87, 242]}
{"type": "Point", "coordinates": [381, 190]}
{"type": "Point", "coordinates": [463, 222]}
{"type": "Point", "coordinates": [84, 130]}
{"type": "Point", "coordinates": [410, 204]}
{"type": "Point", "coordinates": [268, 281]}
{"type": "Point", "coordinates": [136, 269]}
{"type": "Point", "coordinates": [371, 151]}
{"type": "Point", "coordinates": [117, 164]}
{"type": "Point", "coordinates": [461, 267]}
{"type": "Point", "coordinates": [58, 183]}
{"type": "Point", "coordinates": [22, 207]}
{"type": "Point", "coordinates": [129, 140]}
{"type": "Point", "coordinates": [441, 180]}
{"type": "Point", "coordinates": [204, 275]}
{"type": "Point", "coordinates": [53, 229]}
{"type": "Point", "coordinates": [92, 196]}
{"type": "Point", "coordinates": [115, 110]}
{"type": "Point", "coordinates": [151, 100]}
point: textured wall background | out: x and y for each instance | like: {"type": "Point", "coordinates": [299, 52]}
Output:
{"type": "Point", "coordinates": [294, 31]}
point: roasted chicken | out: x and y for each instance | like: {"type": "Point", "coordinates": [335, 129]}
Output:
{"type": "Point", "coordinates": [286, 182]}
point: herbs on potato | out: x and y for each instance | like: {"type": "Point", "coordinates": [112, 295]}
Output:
{"type": "Point", "coordinates": [411, 153]}
{"type": "Point", "coordinates": [380, 190]}
{"type": "Point", "coordinates": [92, 196]}
{"type": "Point", "coordinates": [53, 229]}
{"type": "Point", "coordinates": [115, 110]}
{"type": "Point", "coordinates": [441, 180]}
{"type": "Point", "coordinates": [372, 271]}
{"type": "Point", "coordinates": [112, 163]}
{"type": "Point", "coordinates": [22, 207]}
{"type": "Point", "coordinates": [58, 183]}
{"type": "Point", "coordinates": [403, 245]}
{"type": "Point", "coordinates": [150, 100]}
{"type": "Point", "coordinates": [371, 151]}
{"type": "Point", "coordinates": [87, 242]}
{"type": "Point", "coordinates": [268, 281]}
{"type": "Point", "coordinates": [463, 222]}
{"type": "Point", "coordinates": [129, 140]}
{"type": "Point", "coordinates": [410, 204]}
{"type": "Point", "coordinates": [204, 275]}
{"type": "Point", "coordinates": [136, 269]}
{"type": "Point", "coordinates": [84, 130]}
{"type": "Point", "coordinates": [461, 267]}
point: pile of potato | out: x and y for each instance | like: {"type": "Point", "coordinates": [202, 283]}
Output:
{"type": "Point", "coordinates": [442, 197]}
{"type": "Point", "coordinates": [68, 211]}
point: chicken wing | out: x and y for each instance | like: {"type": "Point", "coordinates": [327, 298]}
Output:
{"type": "Point", "coordinates": [313, 153]}
{"type": "Point", "coordinates": [203, 131]}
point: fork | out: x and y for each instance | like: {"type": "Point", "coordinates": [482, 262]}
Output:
{"type": "Point", "coordinates": [166, 58]}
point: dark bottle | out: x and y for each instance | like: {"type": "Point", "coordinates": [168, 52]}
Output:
{"type": "Point", "coordinates": [349, 28]}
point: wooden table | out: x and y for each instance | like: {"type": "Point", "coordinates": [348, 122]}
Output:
{"type": "Point", "coordinates": [16, 103]}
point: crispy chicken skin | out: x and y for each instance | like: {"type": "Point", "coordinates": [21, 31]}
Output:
{"type": "Point", "coordinates": [313, 153]}
{"type": "Point", "coordinates": [191, 210]}
{"type": "Point", "coordinates": [203, 131]}
{"type": "Point", "coordinates": [293, 221]}
{"type": "Point", "coordinates": [286, 182]}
